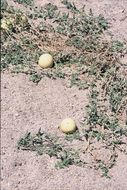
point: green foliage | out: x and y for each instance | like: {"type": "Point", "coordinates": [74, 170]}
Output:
{"type": "Point", "coordinates": [80, 24]}
{"type": "Point", "coordinates": [35, 77]}
{"type": "Point", "coordinates": [73, 136]}
{"type": "Point", "coordinates": [104, 170]}
{"type": "Point", "coordinates": [44, 143]}
{"type": "Point", "coordinates": [67, 158]}
{"type": "Point", "coordinates": [14, 55]}
{"type": "Point", "coordinates": [25, 2]}
{"type": "Point", "coordinates": [46, 12]}
{"type": "Point", "coordinates": [117, 46]}
{"type": "Point", "coordinates": [63, 58]}
{"type": "Point", "coordinates": [103, 24]}
{"type": "Point", "coordinates": [4, 5]}
{"type": "Point", "coordinates": [117, 91]}
{"type": "Point", "coordinates": [41, 142]}
{"type": "Point", "coordinates": [70, 5]}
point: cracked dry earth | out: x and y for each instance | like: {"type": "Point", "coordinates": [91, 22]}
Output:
{"type": "Point", "coordinates": [26, 106]}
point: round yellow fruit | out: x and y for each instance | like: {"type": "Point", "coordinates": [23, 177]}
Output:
{"type": "Point", "coordinates": [4, 25]}
{"type": "Point", "coordinates": [45, 61]}
{"type": "Point", "coordinates": [68, 125]}
{"type": "Point", "coordinates": [10, 21]}
{"type": "Point", "coordinates": [24, 19]}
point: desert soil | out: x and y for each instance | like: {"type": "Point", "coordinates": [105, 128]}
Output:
{"type": "Point", "coordinates": [26, 106]}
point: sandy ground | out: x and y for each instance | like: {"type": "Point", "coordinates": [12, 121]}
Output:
{"type": "Point", "coordinates": [26, 106]}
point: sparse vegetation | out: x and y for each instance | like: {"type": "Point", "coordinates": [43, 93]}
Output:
{"type": "Point", "coordinates": [46, 144]}
{"type": "Point", "coordinates": [89, 62]}
{"type": "Point", "coordinates": [25, 2]}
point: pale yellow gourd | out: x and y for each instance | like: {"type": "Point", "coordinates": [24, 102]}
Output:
{"type": "Point", "coordinates": [7, 24]}
{"type": "Point", "coordinates": [45, 61]}
{"type": "Point", "coordinates": [4, 25]}
{"type": "Point", "coordinates": [68, 125]}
